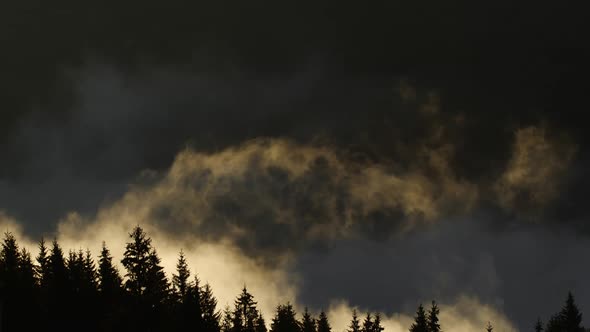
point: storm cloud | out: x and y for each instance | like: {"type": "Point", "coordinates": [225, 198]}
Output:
{"type": "Point", "coordinates": [336, 155]}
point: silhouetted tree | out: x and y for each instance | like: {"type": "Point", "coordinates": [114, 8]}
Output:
{"type": "Point", "coordinates": [569, 319]}
{"type": "Point", "coordinates": [83, 287]}
{"type": "Point", "coordinates": [489, 327]}
{"type": "Point", "coordinates": [260, 324]}
{"type": "Point", "coordinates": [146, 282]}
{"type": "Point", "coordinates": [245, 314]}
{"type": "Point", "coordinates": [59, 292]}
{"type": "Point", "coordinates": [110, 292]}
{"type": "Point", "coordinates": [109, 279]}
{"type": "Point", "coordinates": [209, 310]}
{"type": "Point", "coordinates": [9, 284]}
{"type": "Point", "coordinates": [43, 264]}
{"type": "Point", "coordinates": [377, 323]}
{"type": "Point", "coordinates": [433, 323]}
{"type": "Point", "coordinates": [539, 325]}
{"type": "Point", "coordinates": [323, 323]}
{"type": "Point", "coordinates": [180, 279]}
{"type": "Point", "coordinates": [367, 323]}
{"type": "Point", "coordinates": [354, 323]}
{"type": "Point", "coordinates": [420, 323]}
{"type": "Point", "coordinates": [308, 324]}
{"type": "Point", "coordinates": [27, 271]}
{"type": "Point", "coordinates": [227, 320]}
{"type": "Point", "coordinates": [571, 315]}
{"type": "Point", "coordinates": [284, 320]}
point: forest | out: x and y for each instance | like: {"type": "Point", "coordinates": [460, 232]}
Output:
{"type": "Point", "coordinates": [76, 292]}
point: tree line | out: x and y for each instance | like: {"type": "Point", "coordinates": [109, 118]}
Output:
{"type": "Point", "coordinates": [75, 292]}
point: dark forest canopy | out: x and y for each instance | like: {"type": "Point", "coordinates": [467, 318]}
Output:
{"type": "Point", "coordinates": [75, 292]}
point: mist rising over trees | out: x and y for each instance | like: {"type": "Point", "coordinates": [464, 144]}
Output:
{"type": "Point", "coordinates": [76, 292]}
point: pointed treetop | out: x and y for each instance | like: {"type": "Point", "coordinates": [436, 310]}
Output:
{"type": "Point", "coordinates": [433, 321]}
{"type": "Point", "coordinates": [354, 323]}
{"type": "Point", "coordinates": [420, 322]}
{"type": "Point", "coordinates": [322, 324]}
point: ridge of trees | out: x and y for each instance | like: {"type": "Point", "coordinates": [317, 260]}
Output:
{"type": "Point", "coordinates": [75, 292]}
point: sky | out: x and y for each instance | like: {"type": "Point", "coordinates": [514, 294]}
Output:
{"type": "Point", "coordinates": [336, 155]}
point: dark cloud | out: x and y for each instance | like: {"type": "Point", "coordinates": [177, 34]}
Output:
{"type": "Point", "coordinates": [524, 272]}
{"type": "Point", "coordinates": [402, 113]}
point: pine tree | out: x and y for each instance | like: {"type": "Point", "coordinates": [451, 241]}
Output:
{"type": "Point", "coordinates": [569, 319]}
{"type": "Point", "coordinates": [245, 314]}
{"type": "Point", "coordinates": [146, 282]}
{"type": "Point", "coordinates": [571, 316]}
{"type": "Point", "coordinates": [354, 323]}
{"type": "Point", "coordinates": [489, 328]}
{"type": "Point", "coordinates": [189, 311]}
{"type": "Point", "coordinates": [180, 280]}
{"type": "Point", "coordinates": [59, 292]}
{"type": "Point", "coordinates": [377, 323]}
{"type": "Point", "coordinates": [82, 280]}
{"type": "Point", "coordinates": [110, 292]}
{"type": "Point", "coordinates": [367, 323]}
{"type": "Point", "coordinates": [433, 323]}
{"type": "Point", "coordinates": [308, 324]}
{"type": "Point", "coordinates": [284, 320]}
{"type": "Point", "coordinates": [420, 323]}
{"type": "Point", "coordinates": [109, 279]}
{"type": "Point", "coordinates": [57, 267]}
{"type": "Point", "coordinates": [9, 264]}
{"type": "Point", "coordinates": [137, 262]}
{"type": "Point", "coordinates": [538, 325]}
{"type": "Point", "coordinates": [260, 325]}
{"type": "Point", "coordinates": [227, 320]}
{"type": "Point", "coordinates": [28, 302]}
{"type": "Point", "coordinates": [43, 264]}
{"type": "Point", "coordinates": [10, 283]}
{"type": "Point", "coordinates": [27, 270]}
{"type": "Point", "coordinates": [90, 272]}
{"type": "Point", "coordinates": [145, 276]}
{"type": "Point", "coordinates": [323, 324]}
{"type": "Point", "coordinates": [209, 310]}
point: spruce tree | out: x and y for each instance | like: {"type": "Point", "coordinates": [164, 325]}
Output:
{"type": "Point", "coordinates": [284, 320]}
{"type": "Point", "coordinates": [308, 324]}
{"type": "Point", "coordinates": [323, 323]}
{"type": "Point", "coordinates": [539, 325]}
{"type": "Point", "coordinates": [146, 282]}
{"type": "Point", "coordinates": [367, 323]}
{"type": "Point", "coordinates": [245, 314]}
{"type": "Point", "coordinates": [433, 322]}
{"type": "Point", "coordinates": [9, 266]}
{"type": "Point", "coordinates": [27, 270]}
{"type": "Point", "coordinates": [377, 323]}
{"type": "Point", "coordinates": [571, 316]}
{"type": "Point", "coordinates": [569, 319]}
{"type": "Point", "coordinates": [180, 280]}
{"type": "Point", "coordinates": [420, 323]}
{"type": "Point", "coordinates": [260, 325]}
{"type": "Point", "coordinates": [109, 279]}
{"type": "Point", "coordinates": [10, 284]}
{"type": "Point", "coordinates": [489, 328]}
{"type": "Point", "coordinates": [354, 323]}
{"type": "Point", "coordinates": [227, 320]}
{"type": "Point", "coordinates": [110, 292]}
{"type": "Point", "coordinates": [59, 292]}
{"type": "Point", "coordinates": [42, 264]}
{"type": "Point", "coordinates": [209, 310]}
